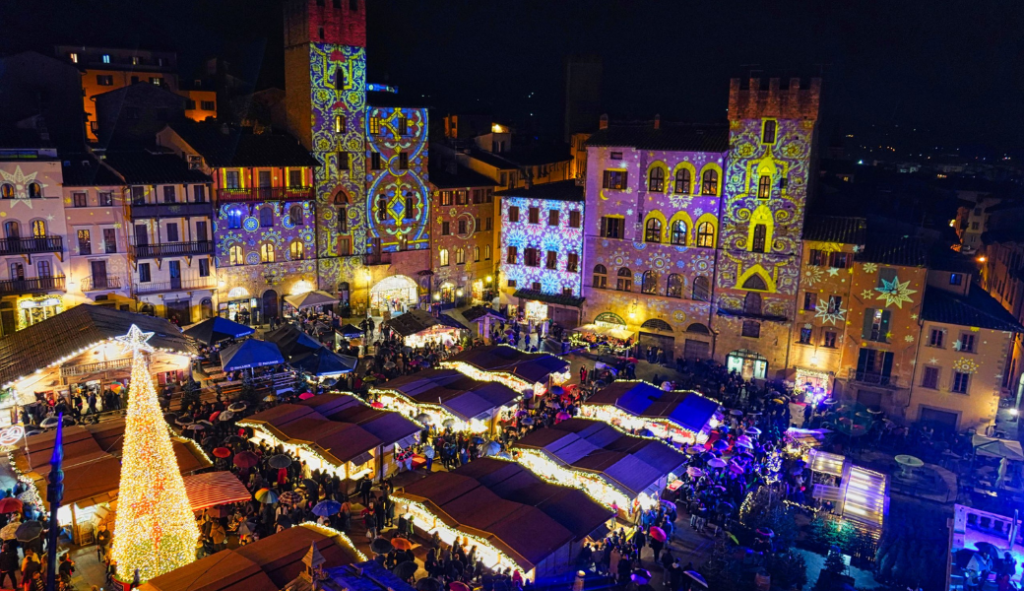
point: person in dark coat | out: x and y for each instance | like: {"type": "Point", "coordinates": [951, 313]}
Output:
{"type": "Point", "coordinates": [364, 490]}
{"type": "Point", "coordinates": [9, 564]}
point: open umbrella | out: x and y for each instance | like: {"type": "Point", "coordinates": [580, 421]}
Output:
{"type": "Point", "coordinates": [28, 531]}
{"type": "Point", "coordinates": [381, 546]}
{"type": "Point", "coordinates": [696, 577]}
{"type": "Point", "coordinates": [377, 404]}
{"type": "Point", "coordinates": [280, 461]}
{"type": "Point", "coordinates": [557, 390]}
{"type": "Point", "coordinates": [194, 427]}
{"type": "Point", "coordinates": [48, 423]}
{"type": "Point", "coordinates": [266, 496]}
{"type": "Point", "coordinates": [250, 353]}
{"type": "Point", "coordinates": [270, 398]}
{"type": "Point", "coordinates": [720, 444]}
{"type": "Point", "coordinates": [246, 460]}
{"type": "Point", "coordinates": [429, 584]}
{"type": "Point", "coordinates": [216, 329]}
{"type": "Point", "coordinates": [214, 415]}
{"type": "Point", "coordinates": [247, 528]}
{"type": "Point", "coordinates": [528, 421]}
{"type": "Point", "coordinates": [448, 423]}
{"type": "Point", "coordinates": [401, 544]}
{"type": "Point", "coordinates": [237, 407]}
{"type": "Point", "coordinates": [183, 420]}
{"type": "Point", "coordinates": [458, 586]}
{"type": "Point", "coordinates": [406, 570]}
{"type": "Point", "coordinates": [310, 485]}
{"type": "Point", "coordinates": [657, 533]}
{"type": "Point", "coordinates": [753, 431]}
{"type": "Point", "coordinates": [424, 418]}
{"type": "Point", "coordinates": [290, 498]}
{"type": "Point", "coordinates": [324, 362]}
{"type": "Point", "coordinates": [694, 472]}
{"type": "Point", "coordinates": [221, 452]}
{"type": "Point", "coordinates": [10, 505]}
{"type": "Point", "coordinates": [493, 448]}
{"type": "Point", "coordinates": [226, 416]}
{"type": "Point", "coordinates": [9, 531]}
{"type": "Point", "coordinates": [306, 395]}
{"type": "Point", "coordinates": [326, 508]}
{"type": "Point", "coordinates": [717, 463]}
{"type": "Point", "coordinates": [284, 521]}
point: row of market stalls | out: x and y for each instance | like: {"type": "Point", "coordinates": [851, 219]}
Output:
{"type": "Point", "coordinates": [336, 433]}
{"type": "Point", "coordinates": [679, 416]}
{"type": "Point", "coordinates": [513, 517]}
{"type": "Point", "coordinates": [518, 370]}
{"type": "Point", "coordinates": [448, 399]}
{"type": "Point", "coordinates": [622, 472]}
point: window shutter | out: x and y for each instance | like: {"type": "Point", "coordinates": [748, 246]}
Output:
{"type": "Point", "coordinates": [885, 324]}
{"type": "Point", "coordinates": [887, 363]}
{"type": "Point", "coordinates": [862, 360]}
{"type": "Point", "coordinates": [869, 315]}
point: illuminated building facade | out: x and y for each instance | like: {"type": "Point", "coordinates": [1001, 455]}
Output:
{"type": "Point", "coordinates": [463, 233]}
{"type": "Point", "coordinates": [652, 228]}
{"type": "Point", "coordinates": [32, 283]}
{"type": "Point", "coordinates": [264, 227]}
{"type": "Point", "coordinates": [373, 206]}
{"type": "Point", "coordinates": [772, 141]}
{"type": "Point", "coordinates": [542, 250]}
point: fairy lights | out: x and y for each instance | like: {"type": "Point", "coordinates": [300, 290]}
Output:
{"type": "Point", "coordinates": [155, 531]}
{"type": "Point", "coordinates": [502, 377]}
{"type": "Point", "coordinates": [330, 531]}
{"type": "Point", "coordinates": [596, 487]}
{"type": "Point", "coordinates": [310, 455]}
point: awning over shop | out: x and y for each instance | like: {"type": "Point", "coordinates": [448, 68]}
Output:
{"type": "Point", "coordinates": [214, 488]}
{"type": "Point", "coordinates": [310, 299]}
{"type": "Point", "coordinates": [997, 448]}
{"type": "Point", "coordinates": [604, 330]}
{"type": "Point", "coordinates": [417, 321]}
{"type": "Point", "coordinates": [250, 353]}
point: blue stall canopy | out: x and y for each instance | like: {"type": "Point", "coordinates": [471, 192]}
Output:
{"type": "Point", "coordinates": [214, 330]}
{"type": "Point", "coordinates": [324, 362]}
{"type": "Point", "coordinates": [686, 409]}
{"type": "Point", "coordinates": [249, 354]}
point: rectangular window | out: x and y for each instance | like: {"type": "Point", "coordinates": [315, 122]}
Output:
{"type": "Point", "coordinates": [489, 196]}
{"type": "Point", "coordinates": [460, 197]}
{"type": "Point", "coordinates": [403, 126]}
{"type": "Point", "coordinates": [84, 242]}
{"type": "Point", "coordinates": [532, 257]}
{"type": "Point", "coordinates": [966, 343]}
{"type": "Point", "coordinates": [839, 260]}
{"type": "Point", "coordinates": [612, 227]}
{"type": "Point", "coordinates": [339, 124]}
{"type": "Point", "coordinates": [446, 198]}
{"type": "Point", "coordinates": [446, 228]}
{"type": "Point", "coordinates": [552, 260]}
{"type": "Point", "coordinates": [344, 246]}
{"type": "Point", "coordinates": [876, 325]}
{"type": "Point", "coordinates": [462, 226]}
{"type": "Point", "coordinates": [810, 301]}
{"type": "Point", "coordinates": [513, 214]}
{"type": "Point", "coordinates": [936, 338]}
{"type": "Point", "coordinates": [80, 199]}
{"type": "Point", "coordinates": [74, 57]}
{"type": "Point", "coordinates": [930, 379]}
{"type": "Point", "coordinates": [105, 80]}
{"type": "Point", "coordinates": [343, 161]}
{"type": "Point", "coordinates": [534, 215]}
{"type": "Point", "coordinates": [835, 304]}
{"type": "Point", "coordinates": [172, 232]}
{"type": "Point", "coordinates": [488, 224]}
{"type": "Point", "coordinates": [199, 193]}
{"type": "Point", "coordinates": [109, 240]}
{"type": "Point", "coordinates": [375, 163]}
{"type": "Point", "coordinates": [512, 256]}
{"type": "Point", "coordinates": [960, 382]}
{"type": "Point", "coordinates": [106, 199]}
{"type": "Point", "coordinates": [615, 179]}
{"type": "Point", "coordinates": [155, 81]}
{"type": "Point", "coordinates": [535, 286]}
{"type": "Point", "coordinates": [231, 180]}
{"type": "Point", "coordinates": [208, 105]}
{"type": "Point", "coordinates": [751, 329]}
{"type": "Point", "coordinates": [487, 252]}
{"type": "Point", "coordinates": [201, 235]}
{"type": "Point", "coordinates": [830, 339]}
{"type": "Point", "coordinates": [818, 258]}
{"type": "Point", "coordinates": [403, 161]}
{"type": "Point", "coordinates": [616, 156]}
{"type": "Point", "coordinates": [956, 279]}
{"type": "Point", "coordinates": [476, 254]}
{"type": "Point", "coordinates": [805, 335]}
{"type": "Point", "coordinates": [512, 283]}
{"type": "Point", "coordinates": [553, 217]}
{"type": "Point", "coordinates": [574, 219]}
{"type": "Point", "coordinates": [572, 265]}
{"type": "Point", "coordinates": [374, 126]}
{"type": "Point", "coordinates": [106, 58]}
{"type": "Point", "coordinates": [204, 267]}
{"type": "Point", "coordinates": [295, 180]}
{"type": "Point", "coordinates": [169, 194]}
{"type": "Point", "coordinates": [144, 276]}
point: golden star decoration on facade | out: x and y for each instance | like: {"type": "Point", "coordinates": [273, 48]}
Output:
{"type": "Point", "coordinates": [135, 341]}
{"type": "Point", "coordinates": [895, 292]}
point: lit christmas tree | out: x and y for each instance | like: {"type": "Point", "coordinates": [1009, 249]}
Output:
{"type": "Point", "coordinates": [155, 531]}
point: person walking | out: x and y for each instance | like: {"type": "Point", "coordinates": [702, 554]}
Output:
{"type": "Point", "coordinates": [9, 564]}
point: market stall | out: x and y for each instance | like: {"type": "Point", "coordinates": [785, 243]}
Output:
{"type": "Point", "coordinates": [516, 369]}
{"type": "Point", "coordinates": [604, 337]}
{"type": "Point", "coordinates": [683, 416]}
{"type": "Point", "coordinates": [419, 329]}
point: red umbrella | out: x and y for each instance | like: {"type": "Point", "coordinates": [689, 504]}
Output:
{"type": "Point", "coordinates": [657, 533]}
{"type": "Point", "coordinates": [246, 460]}
{"type": "Point", "coordinates": [401, 544]}
{"type": "Point", "coordinates": [10, 505]}
{"type": "Point", "coordinates": [377, 404]}
{"type": "Point", "coordinates": [213, 417]}
{"type": "Point", "coordinates": [306, 395]}
{"type": "Point", "coordinates": [222, 452]}
{"type": "Point", "coordinates": [563, 416]}
{"type": "Point", "coordinates": [458, 586]}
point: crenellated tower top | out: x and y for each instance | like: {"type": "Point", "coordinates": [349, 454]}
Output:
{"type": "Point", "coordinates": [757, 102]}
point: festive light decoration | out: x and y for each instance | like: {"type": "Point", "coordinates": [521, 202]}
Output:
{"type": "Point", "coordinates": [310, 455]}
{"type": "Point", "coordinates": [502, 377]}
{"type": "Point", "coordinates": [895, 292]}
{"type": "Point", "coordinates": [155, 531]}
{"type": "Point", "coordinates": [662, 428]}
{"type": "Point", "coordinates": [561, 239]}
{"type": "Point", "coordinates": [330, 531]}
{"type": "Point", "coordinates": [396, 401]}
{"type": "Point", "coordinates": [596, 487]}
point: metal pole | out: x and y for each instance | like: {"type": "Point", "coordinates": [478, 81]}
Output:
{"type": "Point", "coordinates": [54, 495]}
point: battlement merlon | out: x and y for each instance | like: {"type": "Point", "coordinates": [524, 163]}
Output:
{"type": "Point", "coordinates": [756, 102]}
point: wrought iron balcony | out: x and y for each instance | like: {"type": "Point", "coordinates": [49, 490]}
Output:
{"type": "Point", "coordinates": [195, 284]}
{"type": "Point", "coordinates": [254, 194]}
{"type": "Point", "coordinates": [31, 245]}
{"type": "Point", "coordinates": [97, 282]}
{"type": "Point", "coordinates": [379, 258]}
{"type": "Point", "coordinates": [169, 210]}
{"type": "Point", "coordinates": [170, 249]}
{"type": "Point", "coordinates": [36, 285]}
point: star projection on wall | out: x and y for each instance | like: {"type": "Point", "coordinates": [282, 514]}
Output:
{"type": "Point", "coordinates": [894, 292]}
{"type": "Point", "coordinates": [830, 315]}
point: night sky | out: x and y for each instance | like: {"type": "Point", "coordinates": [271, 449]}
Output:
{"type": "Point", "coordinates": [952, 70]}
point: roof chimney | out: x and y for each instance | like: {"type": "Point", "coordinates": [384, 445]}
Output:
{"type": "Point", "coordinates": [603, 122]}
{"type": "Point", "coordinates": [657, 121]}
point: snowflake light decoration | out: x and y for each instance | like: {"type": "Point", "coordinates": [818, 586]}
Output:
{"type": "Point", "coordinates": [965, 365]}
{"type": "Point", "coordinates": [867, 294]}
{"type": "Point", "coordinates": [909, 338]}
{"type": "Point", "coordinates": [895, 292]}
{"type": "Point", "coordinates": [812, 275]}
{"type": "Point", "coordinates": [837, 313]}
{"type": "Point", "coordinates": [870, 267]}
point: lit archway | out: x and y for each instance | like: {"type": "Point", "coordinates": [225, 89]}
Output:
{"type": "Point", "coordinates": [397, 294]}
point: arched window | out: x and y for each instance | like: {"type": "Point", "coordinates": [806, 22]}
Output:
{"type": "Point", "coordinates": [764, 187]}
{"type": "Point", "coordinates": [649, 284]}
{"type": "Point", "coordinates": [295, 215]}
{"type": "Point", "coordinates": [600, 276]}
{"type": "Point", "coordinates": [12, 229]}
{"type": "Point", "coordinates": [7, 191]}
{"type": "Point", "coordinates": [652, 230]}
{"type": "Point", "coordinates": [706, 235]}
{"type": "Point", "coordinates": [39, 228]}
{"type": "Point", "coordinates": [760, 231]}
{"type": "Point", "coordinates": [752, 303]}
{"type": "Point", "coordinates": [267, 252]}
{"type": "Point", "coordinates": [35, 190]}
{"type": "Point", "coordinates": [683, 181]}
{"type": "Point", "coordinates": [267, 216]}
{"type": "Point", "coordinates": [755, 282]}
{"type": "Point", "coordinates": [709, 183]}
{"type": "Point", "coordinates": [460, 256]}
{"type": "Point", "coordinates": [443, 255]}
{"type": "Point", "coordinates": [679, 232]}
{"type": "Point", "coordinates": [297, 251]}
{"type": "Point", "coordinates": [382, 209]}
{"type": "Point", "coordinates": [624, 280]}
{"type": "Point", "coordinates": [701, 288]}
{"type": "Point", "coordinates": [234, 219]}
{"type": "Point", "coordinates": [656, 180]}
{"type": "Point", "coordinates": [235, 255]}
{"type": "Point", "coordinates": [674, 289]}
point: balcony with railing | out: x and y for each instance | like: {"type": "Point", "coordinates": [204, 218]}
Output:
{"type": "Point", "coordinates": [377, 258]}
{"type": "Point", "coordinates": [97, 282]}
{"type": "Point", "coordinates": [874, 378]}
{"type": "Point", "coordinates": [35, 285]}
{"type": "Point", "coordinates": [193, 284]}
{"type": "Point", "coordinates": [84, 369]}
{"type": "Point", "coordinates": [169, 210]}
{"type": "Point", "coordinates": [170, 249]}
{"type": "Point", "coordinates": [255, 194]}
{"type": "Point", "coordinates": [31, 245]}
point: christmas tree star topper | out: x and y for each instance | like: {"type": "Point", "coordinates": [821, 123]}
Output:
{"type": "Point", "coordinates": [136, 341]}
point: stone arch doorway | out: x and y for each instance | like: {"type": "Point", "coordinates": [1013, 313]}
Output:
{"type": "Point", "coordinates": [269, 304]}
{"type": "Point", "coordinates": [395, 295]}
{"type": "Point", "coordinates": [205, 308]}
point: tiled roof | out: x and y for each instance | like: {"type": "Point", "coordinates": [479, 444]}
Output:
{"type": "Point", "coordinates": [643, 136]}
{"type": "Point", "coordinates": [833, 228]}
{"type": "Point", "coordinates": [82, 170]}
{"type": "Point", "coordinates": [561, 191]}
{"type": "Point", "coordinates": [944, 259]}
{"type": "Point", "coordinates": [224, 146]}
{"type": "Point", "coordinates": [977, 309]}
{"type": "Point", "coordinates": [564, 300]}
{"type": "Point", "coordinates": [906, 251]}
{"type": "Point", "coordinates": [524, 156]}
{"type": "Point", "coordinates": [144, 168]}
{"type": "Point", "coordinates": [463, 177]}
